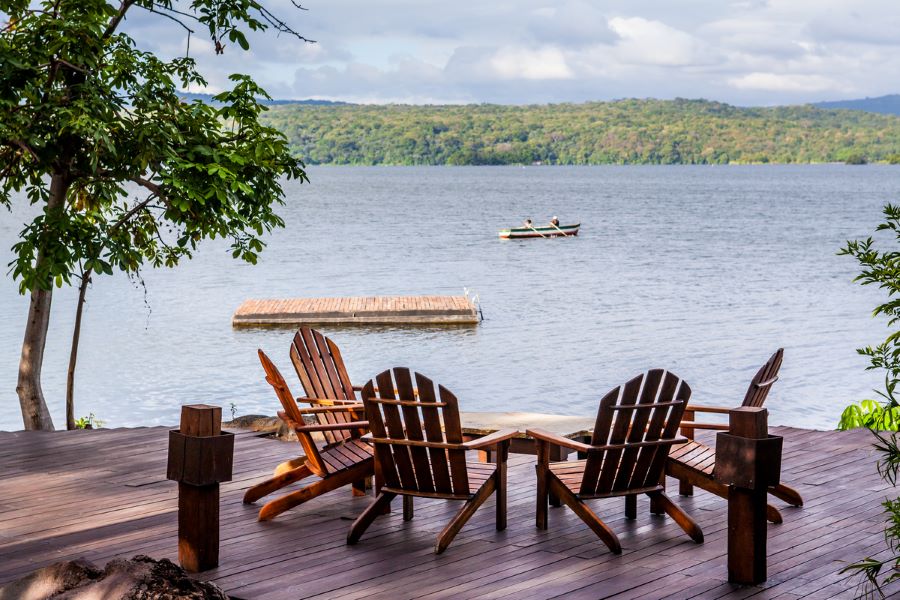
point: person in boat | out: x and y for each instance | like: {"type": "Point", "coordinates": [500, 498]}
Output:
{"type": "Point", "coordinates": [528, 223]}
{"type": "Point", "coordinates": [554, 221]}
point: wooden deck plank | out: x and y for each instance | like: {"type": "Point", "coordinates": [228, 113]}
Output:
{"type": "Point", "coordinates": [59, 501]}
{"type": "Point", "coordinates": [382, 310]}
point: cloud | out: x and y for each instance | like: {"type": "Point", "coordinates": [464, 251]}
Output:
{"type": "Point", "coordinates": [642, 41]}
{"type": "Point", "coordinates": [775, 82]}
{"type": "Point", "coordinates": [522, 63]}
{"type": "Point", "coordinates": [532, 51]}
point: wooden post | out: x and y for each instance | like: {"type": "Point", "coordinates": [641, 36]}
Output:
{"type": "Point", "coordinates": [748, 461]}
{"type": "Point", "coordinates": [200, 456]}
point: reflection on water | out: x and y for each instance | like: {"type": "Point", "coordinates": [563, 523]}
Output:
{"type": "Point", "coordinates": [702, 270]}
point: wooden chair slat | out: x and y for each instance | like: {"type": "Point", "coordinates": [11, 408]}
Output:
{"type": "Point", "coordinates": [402, 458]}
{"type": "Point", "coordinates": [440, 470]}
{"type": "Point", "coordinates": [335, 385]}
{"type": "Point", "coordinates": [347, 392]}
{"type": "Point", "coordinates": [413, 426]}
{"type": "Point", "coordinates": [383, 454]}
{"type": "Point", "coordinates": [756, 395]}
{"type": "Point", "coordinates": [453, 431]}
{"type": "Point", "coordinates": [668, 408]}
{"type": "Point", "coordinates": [636, 429]}
{"type": "Point", "coordinates": [616, 432]}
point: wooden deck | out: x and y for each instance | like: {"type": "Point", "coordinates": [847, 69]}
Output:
{"type": "Point", "coordinates": [103, 494]}
{"type": "Point", "coordinates": [371, 310]}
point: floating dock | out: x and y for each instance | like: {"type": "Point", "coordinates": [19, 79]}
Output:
{"type": "Point", "coordinates": [369, 310]}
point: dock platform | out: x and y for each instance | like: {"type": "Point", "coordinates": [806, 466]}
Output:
{"type": "Point", "coordinates": [369, 310]}
{"type": "Point", "coordinates": [103, 494]}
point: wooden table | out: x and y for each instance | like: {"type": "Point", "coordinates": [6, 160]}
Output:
{"type": "Point", "coordinates": [480, 424]}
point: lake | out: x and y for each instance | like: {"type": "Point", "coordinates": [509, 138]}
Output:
{"type": "Point", "coordinates": [701, 270]}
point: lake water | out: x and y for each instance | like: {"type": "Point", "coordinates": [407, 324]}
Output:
{"type": "Point", "coordinates": [701, 270]}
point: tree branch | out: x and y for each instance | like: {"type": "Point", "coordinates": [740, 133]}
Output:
{"type": "Point", "coordinates": [26, 148]}
{"type": "Point", "coordinates": [156, 189]}
{"type": "Point", "coordinates": [114, 24]}
{"type": "Point", "coordinates": [168, 16]}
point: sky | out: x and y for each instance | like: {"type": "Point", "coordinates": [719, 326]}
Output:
{"type": "Point", "coordinates": [748, 53]}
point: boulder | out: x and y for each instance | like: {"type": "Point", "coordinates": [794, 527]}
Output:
{"type": "Point", "coordinates": [140, 578]}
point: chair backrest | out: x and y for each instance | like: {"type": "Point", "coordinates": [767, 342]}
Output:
{"type": "Point", "coordinates": [413, 452]}
{"type": "Point", "coordinates": [763, 380]}
{"type": "Point", "coordinates": [321, 370]}
{"type": "Point", "coordinates": [636, 423]}
{"type": "Point", "coordinates": [276, 380]}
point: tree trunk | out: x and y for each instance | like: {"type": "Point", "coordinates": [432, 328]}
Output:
{"type": "Point", "coordinates": [73, 353]}
{"type": "Point", "coordinates": [35, 414]}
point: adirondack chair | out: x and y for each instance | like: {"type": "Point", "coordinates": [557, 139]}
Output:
{"type": "Point", "coordinates": [414, 457]}
{"type": "Point", "coordinates": [344, 460]}
{"type": "Point", "coordinates": [693, 463]}
{"type": "Point", "coordinates": [636, 425]}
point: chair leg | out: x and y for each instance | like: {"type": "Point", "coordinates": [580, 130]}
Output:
{"type": "Point", "coordinates": [689, 526]}
{"type": "Point", "coordinates": [332, 482]}
{"type": "Point", "coordinates": [584, 513]}
{"type": "Point", "coordinates": [500, 485]}
{"type": "Point", "coordinates": [685, 488]}
{"type": "Point", "coordinates": [540, 520]}
{"type": "Point", "coordinates": [655, 507]}
{"type": "Point", "coordinates": [276, 483]}
{"type": "Point", "coordinates": [449, 532]}
{"type": "Point", "coordinates": [363, 521]}
{"type": "Point", "coordinates": [289, 465]}
{"type": "Point", "coordinates": [358, 488]}
{"type": "Point", "coordinates": [788, 494]}
{"type": "Point", "coordinates": [631, 506]}
{"type": "Point", "coordinates": [773, 515]}
{"type": "Point", "coordinates": [408, 508]}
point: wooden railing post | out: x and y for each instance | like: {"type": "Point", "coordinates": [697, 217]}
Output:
{"type": "Point", "coordinates": [748, 461]}
{"type": "Point", "coordinates": [200, 456]}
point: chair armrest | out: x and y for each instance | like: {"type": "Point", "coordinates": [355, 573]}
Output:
{"type": "Point", "coordinates": [709, 409]}
{"type": "Point", "coordinates": [546, 436]}
{"type": "Point", "coordinates": [713, 426]}
{"type": "Point", "coordinates": [491, 439]}
{"type": "Point", "coordinates": [333, 426]}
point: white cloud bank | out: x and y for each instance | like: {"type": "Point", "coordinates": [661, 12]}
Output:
{"type": "Point", "coordinates": [531, 51]}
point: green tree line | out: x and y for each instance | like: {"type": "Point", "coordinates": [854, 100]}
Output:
{"type": "Point", "coordinates": [619, 132]}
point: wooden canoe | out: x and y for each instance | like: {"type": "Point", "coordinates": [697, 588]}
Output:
{"type": "Point", "coordinates": [539, 232]}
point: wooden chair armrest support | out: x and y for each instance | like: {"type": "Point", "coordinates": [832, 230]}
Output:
{"type": "Point", "coordinates": [709, 409]}
{"type": "Point", "coordinates": [546, 436]}
{"type": "Point", "coordinates": [332, 426]}
{"type": "Point", "coordinates": [491, 439]}
{"type": "Point", "coordinates": [713, 426]}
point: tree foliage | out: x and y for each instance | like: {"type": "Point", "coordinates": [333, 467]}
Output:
{"type": "Point", "coordinates": [620, 132]}
{"type": "Point", "coordinates": [882, 268]}
{"type": "Point", "coordinates": [93, 130]}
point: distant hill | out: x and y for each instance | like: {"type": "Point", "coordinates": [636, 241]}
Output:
{"type": "Point", "coordinates": [208, 98]}
{"type": "Point", "coordinates": [886, 105]}
{"type": "Point", "coordinates": [621, 132]}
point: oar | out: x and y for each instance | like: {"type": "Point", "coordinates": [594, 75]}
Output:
{"type": "Point", "coordinates": [536, 231]}
{"type": "Point", "coordinates": [560, 230]}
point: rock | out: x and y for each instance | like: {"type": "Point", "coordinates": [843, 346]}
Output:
{"type": "Point", "coordinates": [51, 581]}
{"type": "Point", "coordinates": [140, 578]}
{"type": "Point", "coordinates": [265, 424]}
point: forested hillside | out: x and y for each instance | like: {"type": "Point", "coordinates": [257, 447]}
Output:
{"type": "Point", "coordinates": [624, 131]}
